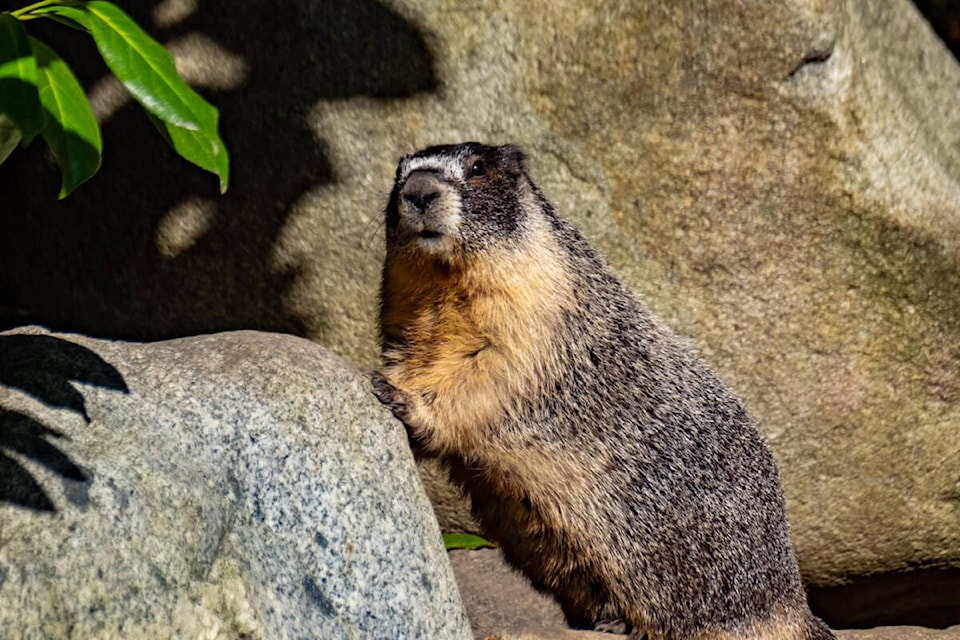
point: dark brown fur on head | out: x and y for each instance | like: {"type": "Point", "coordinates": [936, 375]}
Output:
{"type": "Point", "coordinates": [465, 197]}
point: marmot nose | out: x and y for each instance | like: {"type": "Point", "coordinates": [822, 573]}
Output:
{"type": "Point", "coordinates": [421, 188]}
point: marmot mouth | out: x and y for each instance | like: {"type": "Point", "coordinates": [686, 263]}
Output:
{"type": "Point", "coordinates": [429, 234]}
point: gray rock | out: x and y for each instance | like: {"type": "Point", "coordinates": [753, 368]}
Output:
{"type": "Point", "coordinates": [225, 486]}
{"type": "Point", "coordinates": [498, 598]}
{"type": "Point", "coordinates": [504, 606]}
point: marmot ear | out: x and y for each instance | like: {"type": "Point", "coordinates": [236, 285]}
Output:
{"type": "Point", "coordinates": [513, 159]}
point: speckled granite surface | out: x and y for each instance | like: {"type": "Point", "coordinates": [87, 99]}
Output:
{"type": "Point", "coordinates": [223, 486]}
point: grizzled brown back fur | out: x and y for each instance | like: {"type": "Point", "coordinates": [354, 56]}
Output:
{"type": "Point", "coordinates": [611, 465]}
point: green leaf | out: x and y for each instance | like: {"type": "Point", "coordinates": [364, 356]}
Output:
{"type": "Point", "coordinates": [69, 126]}
{"type": "Point", "coordinates": [9, 137]}
{"type": "Point", "coordinates": [19, 97]}
{"type": "Point", "coordinates": [147, 70]}
{"type": "Point", "coordinates": [75, 17]}
{"type": "Point", "coordinates": [465, 541]}
{"type": "Point", "coordinates": [194, 146]}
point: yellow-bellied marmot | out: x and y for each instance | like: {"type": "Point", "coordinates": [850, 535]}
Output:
{"type": "Point", "coordinates": [612, 467]}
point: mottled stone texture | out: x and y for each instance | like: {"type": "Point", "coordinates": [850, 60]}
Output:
{"type": "Point", "coordinates": [779, 180]}
{"type": "Point", "coordinates": [502, 605]}
{"type": "Point", "coordinates": [240, 485]}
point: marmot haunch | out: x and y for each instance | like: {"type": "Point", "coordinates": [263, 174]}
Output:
{"type": "Point", "coordinates": [610, 464]}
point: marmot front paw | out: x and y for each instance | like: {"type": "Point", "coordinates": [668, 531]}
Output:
{"type": "Point", "coordinates": [395, 400]}
{"type": "Point", "coordinates": [389, 395]}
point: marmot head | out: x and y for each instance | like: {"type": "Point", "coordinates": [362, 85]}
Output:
{"type": "Point", "coordinates": [451, 201]}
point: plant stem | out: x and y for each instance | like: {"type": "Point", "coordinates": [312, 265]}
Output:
{"type": "Point", "coordinates": [23, 13]}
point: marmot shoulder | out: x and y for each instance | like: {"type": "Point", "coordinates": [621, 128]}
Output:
{"type": "Point", "coordinates": [614, 469]}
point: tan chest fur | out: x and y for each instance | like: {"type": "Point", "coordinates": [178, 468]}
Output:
{"type": "Point", "coordinates": [472, 339]}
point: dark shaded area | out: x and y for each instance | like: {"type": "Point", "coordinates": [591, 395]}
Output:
{"type": "Point", "coordinates": [921, 597]}
{"type": "Point", "coordinates": [42, 367]}
{"type": "Point", "coordinates": [813, 58]}
{"type": "Point", "coordinates": [318, 598]}
{"type": "Point", "coordinates": [91, 263]}
{"type": "Point", "coordinates": [26, 436]}
{"type": "Point", "coordinates": [944, 17]}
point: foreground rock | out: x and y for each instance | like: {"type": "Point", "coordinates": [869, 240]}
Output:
{"type": "Point", "coordinates": [233, 485]}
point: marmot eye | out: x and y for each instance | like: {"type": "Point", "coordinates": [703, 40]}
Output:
{"type": "Point", "coordinates": [477, 168]}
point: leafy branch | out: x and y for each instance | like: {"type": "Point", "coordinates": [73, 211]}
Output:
{"type": "Point", "coordinates": [39, 95]}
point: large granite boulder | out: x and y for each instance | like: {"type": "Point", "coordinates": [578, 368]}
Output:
{"type": "Point", "coordinates": [240, 485]}
{"type": "Point", "coordinates": [781, 181]}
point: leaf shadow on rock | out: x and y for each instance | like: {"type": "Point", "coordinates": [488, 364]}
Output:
{"type": "Point", "coordinates": [94, 263]}
{"type": "Point", "coordinates": [43, 367]}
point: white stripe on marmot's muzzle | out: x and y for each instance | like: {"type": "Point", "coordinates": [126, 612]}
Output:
{"type": "Point", "coordinates": [450, 168]}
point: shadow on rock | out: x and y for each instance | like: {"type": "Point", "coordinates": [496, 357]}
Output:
{"type": "Point", "coordinates": [42, 367]}
{"type": "Point", "coordinates": [918, 597]}
{"type": "Point", "coordinates": [148, 249]}
{"type": "Point", "coordinates": [944, 17]}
